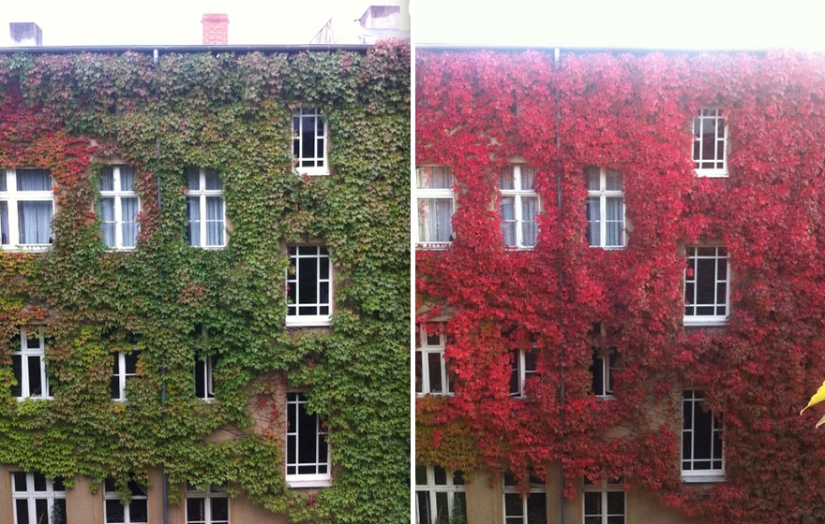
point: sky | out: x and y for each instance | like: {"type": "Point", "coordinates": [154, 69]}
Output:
{"type": "Point", "coordinates": [659, 24]}
{"type": "Point", "coordinates": [175, 22]}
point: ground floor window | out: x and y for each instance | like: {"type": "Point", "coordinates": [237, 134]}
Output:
{"type": "Point", "coordinates": [439, 496]}
{"type": "Point", "coordinates": [38, 499]}
{"type": "Point", "coordinates": [604, 503]}
{"type": "Point", "coordinates": [528, 509]}
{"type": "Point", "coordinates": [116, 512]}
{"type": "Point", "coordinates": [207, 506]}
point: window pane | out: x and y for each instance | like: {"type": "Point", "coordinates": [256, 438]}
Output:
{"type": "Point", "coordinates": [22, 507]}
{"type": "Point", "coordinates": [434, 365]}
{"type": "Point", "coordinates": [193, 214]}
{"type": "Point", "coordinates": [440, 476]}
{"type": "Point", "coordinates": [19, 481]}
{"type": "Point", "coordinates": [34, 221]}
{"type": "Point", "coordinates": [4, 221]}
{"type": "Point", "coordinates": [213, 181]}
{"type": "Point", "coordinates": [615, 502]}
{"type": "Point", "coordinates": [423, 505]}
{"type": "Point", "coordinates": [106, 180]}
{"type": "Point", "coordinates": [17, 369]}
{"type": "Point", "coordinates": [127, 178]}
{"type": "Point", "coordinates": [193, 178]}
{"type": "Point", "coordinates": [505, 180]}
{"type": "Point", "coordinates": [114, 511]}
{"type": "Point", "coordinates": [307, 281]}
{"type": "Point", "coordinates": [528, 178]}
{"type": "Point", "coordinates": [220, 508]}
{"type": "Point", "coordinates": [195, 510]}
{"type": "Point", "coordinates": [138, 512]}
{"type": "Point", "coordinates": [35, 384]}
{"type": "Point", "coordinates": [613, 180]}
{"type": "Point", "coordinates": [34, 180]}
{"type": "Point", "coordinates": [129, 208]}
{"type": "Point", "coordinates": [537, 508]}
{"type": "Point", "coordinates": [434, 178]}
{"type": "Point", "coordinates": [597, 371]}
{"type": "Point", "coordinates": [593, 179]}
{"type": "Point", "coordinates": [419, 372]}
{"type": "Point", "coordinates": [593, 503]}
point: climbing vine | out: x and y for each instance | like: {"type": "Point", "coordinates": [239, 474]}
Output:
{"type": "Point", "coordinates": [74, 112]}
{"type": "Point", "coordinates": [477, 110]}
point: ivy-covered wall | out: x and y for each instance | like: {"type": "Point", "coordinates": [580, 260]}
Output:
{"type": "Point", "coordinates": [73, 112]}
{"type": "Point", "coordinates": [477, 110]}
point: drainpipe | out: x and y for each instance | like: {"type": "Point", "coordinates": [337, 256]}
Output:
{"type": "Point", "coordinates": [164, 482]}
{"type": "Point", "coordinates": [561, 273]}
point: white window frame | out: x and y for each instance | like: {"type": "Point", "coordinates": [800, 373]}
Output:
{"type": "Point", "coordinates": [603, 357]}
{"type": "Point", "coordinates": [137, 495]}
{"type": "Point", "coordinates": [208, 495]}
{"type": "Point", "coordinates": [601, 490]}
{"type": "Point", "coordinates": [431, 490]}
{"type": "Point", "coordinates": [518, 195]}
{"type": "Point", "coordinates": [691, 400]}
{"type": "Point", "coordinates": [692, 257]}
{"type": "Point", "coordinates": [295, 404]}
{"type": "Point", "coordinates": [202, 194]}
{"type": "Point", "coordinates": [425, 350]}
{"type": "Point", "coordinates": [425, 193]}
{"type": "Point", "coordinates": [120, 373]}
{"type": "Point", "coordinates": [520, 365]}
{"type": "Point", "coordinates": [30, 495]}
{"type": "Point", "coordinates": [25, 353]}
{"type": "Point", "coordinates": [13, 197]}
{"type": "Point", "coordinates": [603, 194]}
{"type": "Point", "coordinates": [319, 163]}
{"type": "Point", "coordinates": [205, 366]}
{"type": "Point", "coordinates": [117, 195]}
{"type": "Point", "coordinates": [510, 516]}
{"type": "Point", "coordinates": [710, 117]}
{"type": "Point", "coordinates": [321, 255]}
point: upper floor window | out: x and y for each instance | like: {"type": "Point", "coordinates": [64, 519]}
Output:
{"type": "Point", "coordinates": [431, 375]}
{"type": "Point", "coordinates": [309, 286]}
{"type": "Point", "coordinates": [125, 368]}
{"type": "Point", "coordinates": [118, 512]}
{"type": "Point", "coordinates": [439, 495]}
{"type": "Point", "coordinates": [603, 503]}
{"type": "Point", "coordinates": [119, 206]}
{"type": "Point", "coordinates": [605, 208]}
{"type": "Point", "coordinates": [204, 384]}
{"type": "Point", "coordinates": [208, 506]}
{"type": "Point", "coordinates": [38, 499]}
{"type": "Point", "coordinates": [706, 286]}
{"type": "Point", "coordinates": [434, 200]}
{"type": "Point", "coordinates": [710, 136]}
{"type": "Point", "coordinates": [702, 458]}
{"type": "Point", "coordinates": [605, 361]}
{"type": "Point", "coordinates": [528, 509]}
{"type": "Point", "coordinates": [523, 366]}
{"type": "Point", "coordinates": [206, 221]}
{"type": "Point", "coordinates": [29, 367]}
{"type": "Point", "coordinates": [309, 141]}
{"type": "Point", "coordinates": [519, 206]}
{"type": "Point", "coordinates": [307, 451]}
{"type": "Point", "coordinates": [26, 208]}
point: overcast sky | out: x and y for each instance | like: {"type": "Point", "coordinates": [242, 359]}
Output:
{"type": "Point", "coordinates": [670, 24]}
{"type": "Point", "coordinates": [175, 22]}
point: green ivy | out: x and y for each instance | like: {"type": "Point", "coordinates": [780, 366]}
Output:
{"type": "Point", "coordinates": [74, 112]}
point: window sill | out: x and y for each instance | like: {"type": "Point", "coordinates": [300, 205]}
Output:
{"type": "Point", "coordinates": [705, 477]}
{"type": "Point", "coordinates": [309, 171]}
{"type": "Point", "coordinates": [35, 399]}
{"type": "Point", "coordinates": [309, 483]}
{"type": "Point", "coordinates": [606, 398]}
{"type": "Point", "coordinates": [314, 321]}
{"type": "Point", "coordinates": [519, 248]}
{"type": "Point", "coordinates": [705, 321]}
{"type": "Point", "coordinates": [28, 248]}
{"type": "Point", "coordinates": [711, 173]}
{"type": "Point", "coordinates": [434, 394]}
{"type": "Point", "coordinates": [433, 246]}
{"type": "Point", "coordinates": [608, 248]}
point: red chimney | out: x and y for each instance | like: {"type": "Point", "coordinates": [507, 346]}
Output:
{"type": "Point", "coordinates": [215, 29]}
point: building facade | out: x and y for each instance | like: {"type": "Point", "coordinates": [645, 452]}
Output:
{"type": "Point", "coordinates": [619, 268]}
{"type": "Point", "coordinates": [205, 265]}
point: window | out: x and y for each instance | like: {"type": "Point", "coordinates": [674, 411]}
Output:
{"type": "Point", "coordinates": [307, 455]}
{"type": "Point", "coordinates": [604, 364]}
{"type": "Point", "coordinates": [26, 208]}
{"type": "Point", "coordinates": [706, 286]}
{"type": "Point", "coordinates": [702, 458]}
{"type": "Point", "coordinates": [605, 208]}
{"type": "Point", "coordinates": [38, 499]}
{"type": "Point", "coordinates": [119, 205]}
{"type": "Point", "coordinates": [125, 368]}
{"type": "Point", "coordinates": [519, 206]}
{"type": "Point", "coordinates": [603, 503]}
{"type": "Point", "coordinates": [523, 364]}
{"type": "Point", "coordinates": [309, 286]}
{"type": "Point", "coordinates": [431, 374]}
{"type": "Point", "coordinates": [116, 512]}
{"type": "Point", "coordinates": [210, 506]}
{"type": "Point", "coordinates": [531, 509]}
{"type": "Point", "coordinates": [710, 136]}
{"type": "Point", "coordinates": [204, 208]}
{"type": "Point", "coordinates": [439, 496]}
{"type": "Point", "coordinates": [434, 197]}
{"type": "Point", "coordinates": [309, 141]}
{"type": "Point", "coordinates": [29, 368]}
{"type": "Point", "coordinates": [204, 387]}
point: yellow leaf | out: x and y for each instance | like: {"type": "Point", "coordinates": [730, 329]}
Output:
{"type": "Point", "coordinates": [818, 397]}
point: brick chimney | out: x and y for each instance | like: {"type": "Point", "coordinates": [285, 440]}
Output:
{"type": "Point", "coordinates": [215, 29]}
{"type": "Point", "coordinates": [25, 34]}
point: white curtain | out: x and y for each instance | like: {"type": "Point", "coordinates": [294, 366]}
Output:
{"type": "Point", "coordinates": [127, 178]}
{"type": "Point", "coordinates": [593, 221]}
{"type": "Point", "coordinates": [4, 222]}
{"type": "Point", "coordinates": [34, 221]}
{"type": "Point", "coordinates": [614, 223]}
{"type": "Point", "coordinates": [508, 217]}
{"type": "Point", "coordinates": [107, 224]}
{"type": "Point", "coordinates": [214, 220]}
{"type": "Point", "coordinates": [529, 210]}
{"type": "Point", "coordinates": [128, 210]}
{"type": "Point", "coordinates": [34, 180]}
{"type": "Point", "coordinates": [193, 213]}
